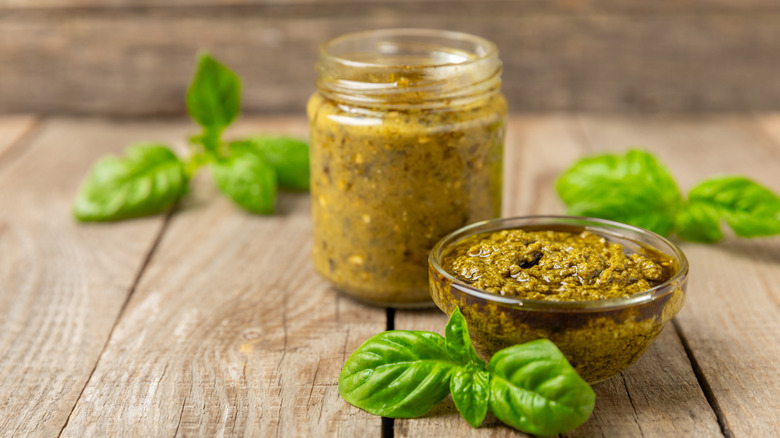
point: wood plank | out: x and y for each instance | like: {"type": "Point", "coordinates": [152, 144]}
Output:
{"type": "Point", "coordinates": [769, 125]}
{"type": "Point", "coordinates": [12, 128]}
{"type": "Point", "coordinates": [662, 6]}
{"type": "Point", "coordinates": [230, 332]}
{"type": "Point", "coordinates": [731, 322]}
{"type": "Point", "coordinates": [658, 395]}
{"type": "Point", "coordinates": [62, 285]}
{"type": "Point", "coordinates": [138, 61]}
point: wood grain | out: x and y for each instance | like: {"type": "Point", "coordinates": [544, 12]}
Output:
{"type": "Point", "coordinates": [12, 128]}
{"type": "Point", "coordinates": [667, 6]}
{"type": "Point", "coordinates": [709, 55]}
{"type": "Point", "coordinates": [768, 125]}
{"type": "Point", "coordinates": [230, 332]}
{"type": "Point", "coordinates": [657, 396]}
{"type": "Point", "coordinates": [731, 321]}
{"type": "Point", "coordinates": [62, 285]}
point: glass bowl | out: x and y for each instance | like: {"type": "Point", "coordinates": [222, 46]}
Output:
{"type": "Point", "coordinates": [600, 337]}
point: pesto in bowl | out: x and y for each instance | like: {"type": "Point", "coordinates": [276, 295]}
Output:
{"type": "Point", "coordinates": [600, 290]}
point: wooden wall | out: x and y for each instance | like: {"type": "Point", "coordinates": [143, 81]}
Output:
{"type": "Point", "coordinates": [135, 58]}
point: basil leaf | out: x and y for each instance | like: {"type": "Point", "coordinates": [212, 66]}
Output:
{"type": "Point", "coordinates": [247, 179]}
{"type": "Point", "coordinates": [289, 156]}
{"type": "Point", "coordinates": [699, 222]}
{"type": "Point", "coordinates": [470, 384]}
{"type": "Point", "coordinates": [749, 208]}
{"type": "Point", "coordinates": [399, 374]}
{"type": "Point", "coordinates": [213, 98]}
{"type": "Point", "coordinates": [458, 342]}
{"type": "Point", "coordinates": [470, 389]}
{"type": "Point", "coordinates": [148, 179]}
{"type": "Point", "coordinates": [534, 389]}
{"type": "Point", "coordinates": [635, 189]}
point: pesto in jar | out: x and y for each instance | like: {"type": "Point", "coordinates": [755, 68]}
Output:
{"type": "Point", "coordinates": [404, 150]}
{"type": "Point", "coordinates": [385, 191]}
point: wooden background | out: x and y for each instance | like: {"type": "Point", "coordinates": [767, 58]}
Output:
{"type": "Point", "coordinates": [135, 58]}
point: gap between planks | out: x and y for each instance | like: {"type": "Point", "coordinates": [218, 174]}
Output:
{"type": "Point", "coordinates": [703, 383]}
{"type": "Point", "coordinates": [63, 284]}
{"type": "Point", "coordinates": [582, 136]}
{"type": "Point", "coordinates": [133, 286]}
{"type": "Point", "coordinates": [696, 147]}
{"type": "Point", "coordinates": [388, 424]}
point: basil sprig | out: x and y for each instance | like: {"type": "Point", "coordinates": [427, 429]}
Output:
{"type": "Point", "coordinates": [403, 374]}
{"type": "Point", "coordinates": [637, 189]}
{"type": "Point", "coordinates": [150, 178]}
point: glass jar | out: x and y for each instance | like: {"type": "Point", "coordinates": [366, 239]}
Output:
{"type": "Point", "coordinates": [407, 133]}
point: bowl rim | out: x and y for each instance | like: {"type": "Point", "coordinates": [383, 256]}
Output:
{"type": "Point", "coordinates": [595, 225]}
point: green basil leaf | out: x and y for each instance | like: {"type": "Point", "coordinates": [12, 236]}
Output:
{"type": "Point", "coordinates": [399, 374]}
{"type": "Point", "coordinates": [533, 388]}
{"type": "Point", "coordinates": [213, 98]}
{"type": "Point", "coordinates": [458, 342]}
{"type": "Point", "coordinates": [749, 208]}
{"type": "Point", "coordinates": [289, 156]}
{"type": "Point", "coordinates": [699, 222]}
{"type": "Point", "coordinates": [148, 179]}
{"type": "Point", "coordinates": [470, 388]}
{"type": "Point", "coordinates": [635, 189]}
{"type": "Point", "coordinates": [247, 179]}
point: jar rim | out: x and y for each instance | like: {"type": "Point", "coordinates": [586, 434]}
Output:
{"type": "Point", "coordinates": [482, 48]}
{"type": "Point", "coordinates": [409, 69]}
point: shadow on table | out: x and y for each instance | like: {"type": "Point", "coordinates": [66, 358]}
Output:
{"type": "Point", "coordinates": [292, 203]}
{"type": "Point", "coordinates": [447, 417]}
{"type": "Point", "coordinates": [287, 203]}
{"type": "Point", "coordinates": [761, 250]}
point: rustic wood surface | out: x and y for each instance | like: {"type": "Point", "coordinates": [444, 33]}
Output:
{"type": "Point", "coordinates": [210, 321]}
{"type": "Point", "coordinates": [12, 129]}
{"type": "Point", "coordinates": [731, 322]}
{"type": "Point", "coordinates": [230, 332]}
{"type": "Point", "coordinates": [126, 57]}
{"type": "Point", "coordinates": [62, 286]}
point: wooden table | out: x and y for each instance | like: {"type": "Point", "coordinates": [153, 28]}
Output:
{"type": "Point", "coordinates": [210, 321]}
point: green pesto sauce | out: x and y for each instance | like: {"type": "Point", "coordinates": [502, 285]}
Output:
{"type": "Point", "coordinates": [387, 185]}
{"type": "Point", "coordinates": [555, 266]}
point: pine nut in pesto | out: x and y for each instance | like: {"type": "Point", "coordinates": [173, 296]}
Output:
{"type": "Point", "coordinates": [407, 132]}
{"type": "Point", "coordinates": [600, 290]}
